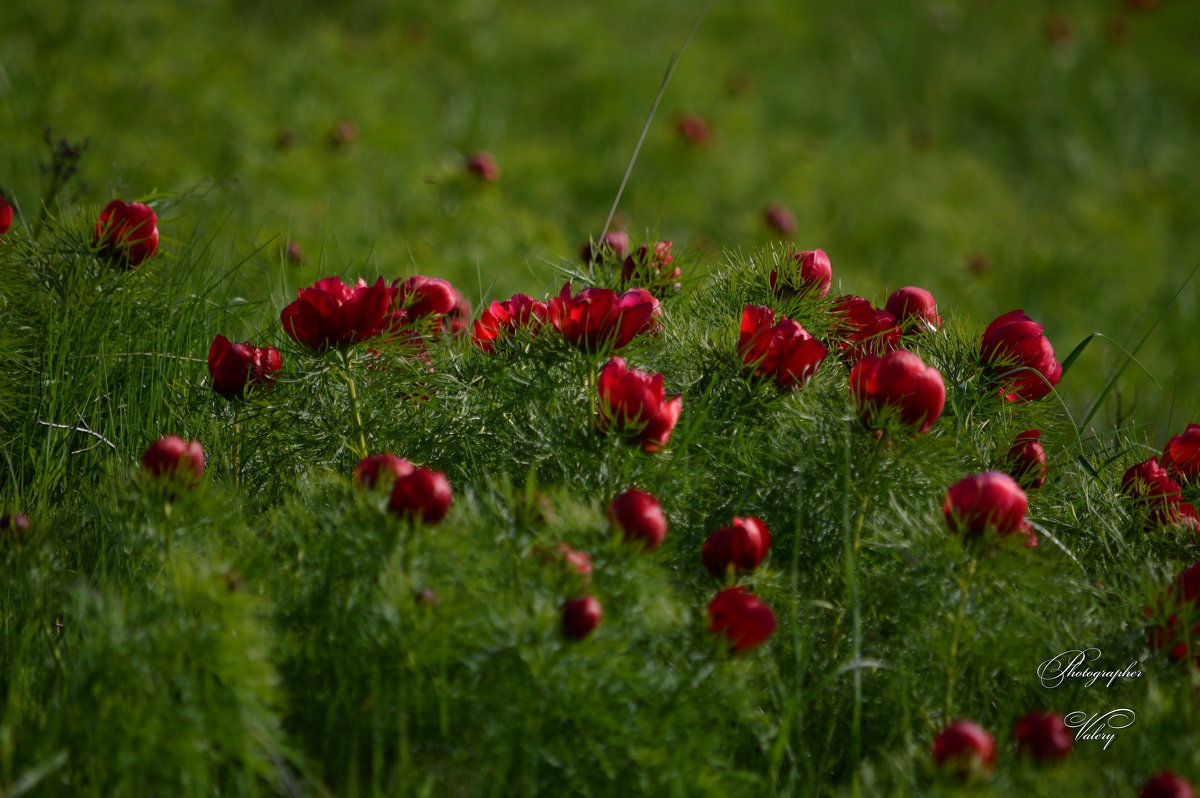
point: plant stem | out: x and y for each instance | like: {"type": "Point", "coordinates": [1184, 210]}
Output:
{"type": "Point", "coordinates": [850, 544]}
{"type": "Point", "coordinates": [353, 393]}
{"type": "Point", "coordinates": [237, 444]}
{"type": "Point", "coordinates": [960, 614]}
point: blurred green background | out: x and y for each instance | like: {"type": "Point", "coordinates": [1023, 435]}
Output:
{"type": "Point", "coordinates": [1001, 154]}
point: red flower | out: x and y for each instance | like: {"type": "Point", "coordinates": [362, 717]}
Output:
{"type": "Point", "coordinates": [1181, 457]}
{"type": "Point", "coordinates": [614, 244]}
{"type": "Point", "coordinates": [811, 274]}
{"type": "Point", "coordinates": [501, 318]}
{"type": "Point", "coordinates": [693, 127]}
{"type": "Point", "coordinates": [639, 517]}
{"type": "Point", "coordinates": [651, 268]}
{"type": "Point", "coordinates": [1182, 597]}
{"type": "Point", "coordinates": [864, 329]}
{"type": "Point", "coordinates": [1015, 351]}
{"type": "Point", "coordinates": [741, 546]}
{"type": "Point", "coordinates": [424, 296]}
{"type": "Point", "coordinates": [579, 562]}
{"type": "Point", "coordinates": [1167, 785]}
{"type": "Point", "coordinates": [633, 403]}
{"type": "Point", "coordinates": [483, 166]}
{"type": "Point", "coordinates": [1026, 460]}
{"type": "Point", "coordinates": [989, 501]}
{"type": "Point", "coordinates": [783, 351]}
{"type": "Point", "coordinates": [780, 220]}
{"type": "Point", "coordinates": [914, 308]}
{"type": "Point", "coordinates": [596, 318]}
{"type": "Point", "coordinates": [458, 317]}
{"type": "Point", "coordinates": [898, 383]}
{"type": "Point", "coordinates": [14, 528]}
{"type": "Point", "coordinates": [129, 231]}
{"type": "Point", "coordinates": [6, 216]}
{"type": "Point", "coordinates": [580, 617]}
{"type": "Point", "coordinates": [1160, 496]}
{"type": "Point", "coordinates": [174, 458]}
{"type": "Point", "coordinates": [381, 469]}
{"type": "Point", "coordinates": [234, 367]}
{"type": "Point", "coordinates": [965, 749]}
{"type": "Point", "coordinates": [744, 620]}
{"type": "Point", "coordinates": [421, 494]}
{"type": "Point", "coordinates": [1043, 735]}
{"type": "Point", "coordinates": [330, 313]}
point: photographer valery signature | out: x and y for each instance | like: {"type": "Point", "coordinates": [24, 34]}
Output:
{"type": "Point", "coordinates": [1072, 665]}
{"type": "Point", "coordinates": [1099, 726]}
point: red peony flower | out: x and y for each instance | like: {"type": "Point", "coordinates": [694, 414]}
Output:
{"type": "Point", "coordinates": [580, 617]}
{"type": "Point", "coordinates": [421, 494]}
{"type": "Point", "coordinates": [914, 308]}
{"type": "Point", "coordinates": [483, 166]}
{"type": "Point", "coordinates": [381, 469]}
{"type": "Point", "coordinates": [458, 317]}
{"type": "Point", "coordinates": [422, 296]}
{"type": "Point", "coordinates": [331, 313]}
{"type": "Point", "coordinates": [234, 367]}
{"type": "Point", "coordinates": [744, 620]}
{"type": "Point", "coordinates": [651, 268]}
{"type": "Point", "coordinates": [989, 501]}
{"type": "Point", "coordinates": [505, 318]}
{"type": "Point", "coordinates": [810, 274]}
{"type": "Point", "coordinates": [128, 231]}
{"type": "Point", "coordinates": [1167, 785]}
{"type": "Point", "coordinates": [1016, 352]}
{"type": "Point", "coordinates": [639, 517]}
{"type": "Point", "coordinates": [6, 216]}
{"type": "Point", "coordinates": [174, 458]}
{"type": "Point", "coordinates": [1160, 496]}
{"type": "Point", "coordinates": [612, 245]}
{"type": "Point", "coordinates": [898, 384]}
{"type": "Point", "coordinates": [597, 318]}
{"type": "Point", "coordinates": [1183, 597]}
{"type": "Point", "coordinates": [1043, 735]}
{"type": "Point", "coordinates": [633, 404]}
{"type": "Point", "coordinates": [964, 749]}
{"type": "Point", "coordinates": [741, 546]}
{"type": "Point", "coordinates": [1181, 457]}
{"type": "Point", "coordinates": [863, 329]}
{"type": "Point", "coordinates": [783, 351]}
{"type": "Point", "coordinates": [1026, 460]}
{"type": "Point", "coordinates": [693, 127]}
{"type": "Point", "coordinates": [780, 220]}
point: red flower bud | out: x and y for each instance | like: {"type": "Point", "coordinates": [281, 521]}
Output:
{"type": "Point", "coordinates": [483, 166]}
{"type": "Point", "coordinates": [578, 562]}
{"type": "Point", "coordinates": [614, 244]}
{"type": "Point", "coordinates": [898, 384]}
{"type": "Point", "coordinates": [380, 469]}
{"type": "Point", "coordinates": [744, 620]}
{"type": "Point", "coordinates": [1026, 460]}
{"type": "Point", "coordinates": [505, 318]}
{"type": "Point", "coordinates": [1043, 735]}
{"type": "Point", "coordinates": [809, 274]}
{"type": "Point", "coordinates": [580, 617]}
{"type": "Point", "coordinates": [693, 127]}
{"type": "Point", "coordinates": [6, 216]}
{"type": "Point", "coordinates": [989, 501]}
{"type": "Point", "coordinates": [1181, 457]}
{"type": "Point", "coordinates": [14, 528]}
{"type": "Point", "coordinates": [780, 220]}
{"type": "Point", "coordinates": [597, 318]}
{"type": "Point", "coordinates": [1167, 785]}
{"type": "Point", "coordinates": [651, 268]}
{"type": "Point", "coordinates": [915, 309]}
{"type": "Point", "coordinates": [424, 296]}
{"type": "Point", "coordinates": [965, 749]}
{"type": "Point", "coordinates": [1159, 496]}
{"type": "Point", "coordinates": [174, 458]}
{"type": "Point", "coordinates": [639, 517]}
{"type": "Point", "coordinates": [234, 367]}
{"type": "Point", "coordinates": [633, 404]}
{"type": "Point", "coordinates": [783, 351]}
{"type": "Point", "coordinates": [863, 329]}
{"type": "Point", "coordinates": [421, 494]}
{"type": "Point", "coordinates": [741, 546]}
{"type": "Point", "coordinates": [331, 313]}
{"type": "Point", "coordinates": [458, 317]}
{"type": "Point", "coordinates": [128, 231]}
{"type": "Point", "coordinates": [1016, 352]}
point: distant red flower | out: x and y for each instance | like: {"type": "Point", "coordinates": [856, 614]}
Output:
{"type": "Point", "coordinates": [483, 166]}
{"type": "Point", "coordinates": [898, 384]}
{"type": "Point", "coordinates": [639, 517]}
{"type": "Point", "coordinates": [1167, 785]}
{"type": "Point", "coordinates": [579, 562]}
{"type": "Point", "coordinates": [6, 216]}
{"type": "Point", "coordinates": [424, 296]}
{"type": "Point", "coordinates": [989, 501]}
{"type": "Point", "coordinates": [330, 313]}
{"type": "Point", "coordinates": [14, 528]}
{"type": "Point", "coordinates": [633, 404]}
{"type": "Point", "coordinates": [612, 245]}
{"type": "Point", "coordinates": [597, 318]}
{"type": "Point", "coordinates": [964, 749]}
{"type": "Point", "coordinates": [783, 351]}
{"type": "Point", "coordinates": [863, 328]}
{"type": "Point", "coordinates": [915, 309]}
{"type": "Point", "coordinates": [809, 273]}
{"type": "Point", "coordinates": [651, 268]}
{"type": "Point", "coordinates": [693, 127]}
{"type": "Point", "coordinates": [1183, 597]}
{"type": "Point", "coordinates": [1181, 457]}
{"type": "Point", "coordinates": [580, 617]}
{"type": "Point", "coordinates": [1015, 351]}
{"type": "Point", "coordinates": [421, 494]}
{"type": "Point", "coordinates": [1043, 735]}
{"type": "Point", "coordinates": [128, 231]}
{"type": "Point", "coordinates": [236, 367]}
{"type": "Point", "coordinates": [174, 458]}
{"type": "Point", "coordinates": [1161, 497]}
{"type": "Point", "coordinates": [780, 220]}
{"type": "Point", "coordinates": [293, 252]}
{"type": "Point", "coordinates": [741, 546]}
{"type": "Point", "coordinates": [1026, 460]}
{"type": "Point", "coordinates": [1059, 29]}
{"type": "Point", "coordinates": [744, 620]}
{"type": "Point", "coordinates": [381, 469]}
{"type": "Point", "coordinates": [506, 317]}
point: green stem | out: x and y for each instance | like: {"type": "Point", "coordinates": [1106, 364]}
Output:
{"type": "Point", "coordinates": [237, 444]}
{"type": "Point", "coordinates": [850, 540]}
{"type": "Point", "coordinates": [960, 614]}
{"type": "Point", "coordinates": [358, 425]}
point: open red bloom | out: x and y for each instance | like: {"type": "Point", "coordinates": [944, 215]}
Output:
{"type": "Point", "coordinates": [1167, 785]}
{"type": "Point", "coordinates": [597, 318]}
{"type": "Point", "coordinates": [421, 494]}
{"type": "Point", "coordinates": [1026, 460]}
{"type": "Point", "coordinates": [235, 367]}
{"type": "Point", "coordinates": [128, 231]}
{"type": "Point", "coordinates": [914, 308]}
{"type": "Point", "coordinates": [1043, 735]}
{"type": "Point", "coordinates": [1161, 497]}
{"type": "Point", "coordinates": [580, 617]}
{"type": "Point", "coordinates": [740, 546]}
{"type": "Point", "coordinates": [330, 313]}
{"type": "Point", "coordinates": [380, 469]}
{"type": "Point", "coordinates": [898, 383]}
{"type": "Point", "coordinates": [809, 273]}
{"type": "Point", "coordinates": [633, 404]}
{"type": "Point", "coordinates": [6, 216]}
{"type": "Point", "coordinates": [506, 317]}
{"type": "Point", "coordinates": [783, 351]}
{"type": "Point", "coordinates": [174, 458]}
{"type": "Point", "coordinates": [639, 517]}
{"type": "Point", "coordinates": [423, 296]}
{"type": "Point", "coordinates": [614, 244]}
{"type": "Point", "coordinates": [989, 501]}
{"type": "Point", "coordinates": [1017, 353]}
{"type": "Point", "coordinates": [965, 749]}
{"type": "Point", "coordinates": [744, 620]}
{"type": "Point", "coordinates": [864, 329]}
{"type": "Point", "coordinates": [1181, 457]}
{"type": "Point", "coordinates": [651, 268]}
